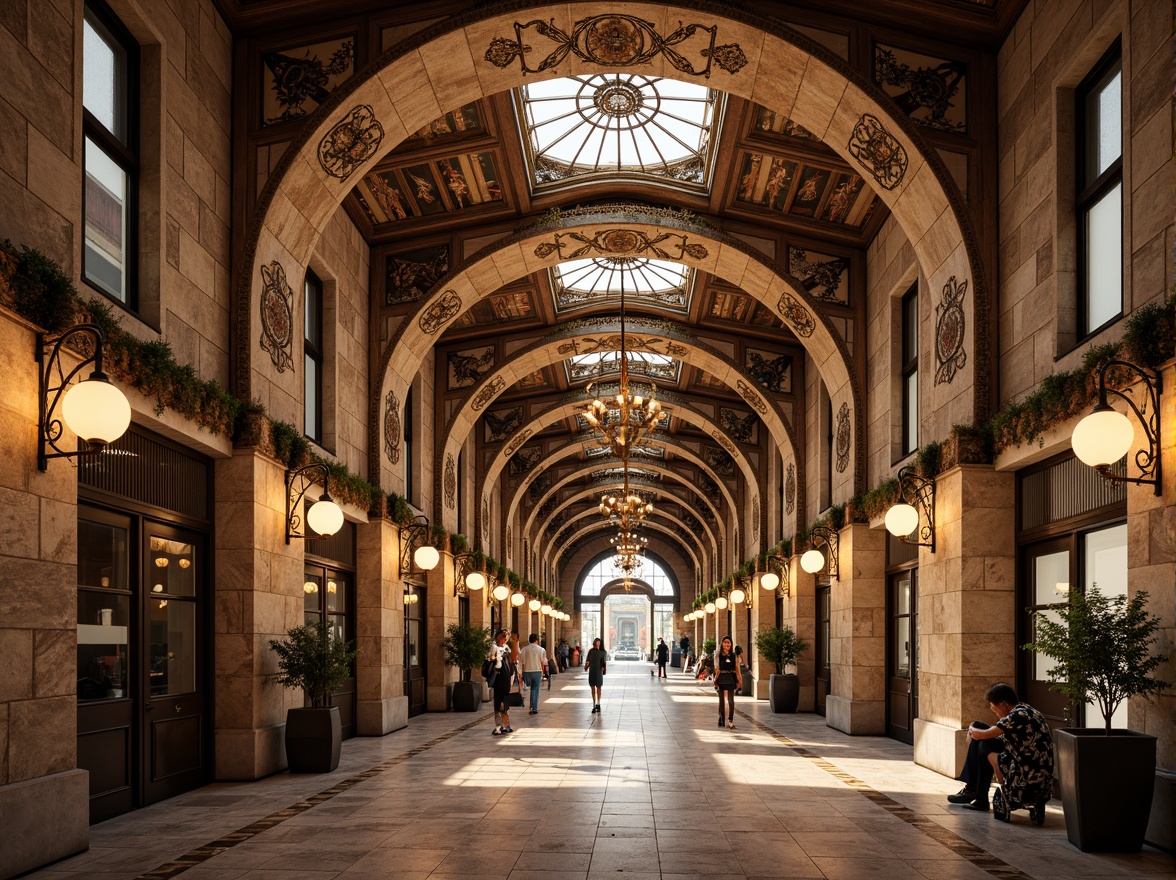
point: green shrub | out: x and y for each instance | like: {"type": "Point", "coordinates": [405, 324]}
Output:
{"type": "Point", "coordinates": [311, 659]}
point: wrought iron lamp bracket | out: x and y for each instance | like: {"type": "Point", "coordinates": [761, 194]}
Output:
{"type": "Point", "coordinates": [463, 564]}
{"type": "Point", "coordinates": [54, 382]}
{"type": "Point", "coordinates": [411, 537]}
{"type": "Point", "coordinates": [921, 496]}
{"type": "Point", "coordinates": [832, 541]}
{"type": "Point", "coordinates": [1147, 460]}
{"type": "Point", "coordinates": [304, 477]}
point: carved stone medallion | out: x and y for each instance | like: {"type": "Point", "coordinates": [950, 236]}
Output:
{"type": "Point", "coordinates": [790, 489]}
{"type": "Point", "coordinates": [439, 312]}
{"type": "Point", "coordinates": [878, 151]}
{"type": "Point", "coordinates": [450, 482]}
{"type": "Point", "coordinates": [748, 394]}
{"type": "Point", "coordinates": [392, 427]}
{"type": "Point", "coordinates": [277, 316]}
{"type": "Point", "coordinates": [351, 142]}
{"type": "Point", "coordinates": [796, 315]}
{"type": "Point", "coordinates": [487, 393]}
{"type": "Point", "coordinates": [843, 432]}
{"type": "Point", "coordinates": [520, 438]}
{"type": "Point", "coordinates": [949, 331]}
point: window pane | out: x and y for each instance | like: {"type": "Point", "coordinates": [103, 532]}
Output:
{"type": "Point", "coordinates": [1104, 259]}
{"type": "Point", "coordinates": [336, 594]}
{"type": "Point", "coordinates": [1104, 141]}
{"type": "Point", "coordinates": [1106, 560]}
{"type": "Point", "coordinates": [911, 415]}
{"type": "Point", "coordinates": [172, 629]}
{"type": "Point", "coordinates": [1041, 663]}
{"type": "Point", "coordinates": [311, 398]}
{"type": "Point", "coordinates": [103, 625]}
{"type": "Point", "coordinates": [902, 647]}
{"type": "Point", "coordinates": [311, 591]}
{"type": "Point", "coordinates": [102, 557]}
{"type": "Point", "coordinates": [313, 312]}
{"type": "Point", "coordinates": [173, 568]}
{"type": "Point", "coordinates": [1051, 578]}
{"type": "Point", "coordinates": [104, 79]}
{"type": "Point", "coordinates": [910, 328]}
{"type": "Point", "coordinates": [106, 222]}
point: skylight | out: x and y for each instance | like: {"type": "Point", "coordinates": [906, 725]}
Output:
{"type": "Point", "coordinates": [618, 124]}
{"type": "Point", "coordinates": [581, 283]}
{"type": "Point", "coordinates": [605, 363]}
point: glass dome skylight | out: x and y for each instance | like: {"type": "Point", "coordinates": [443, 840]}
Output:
{"type": "Point", "coordinates": [582, 283]}
{"type": "Point", "coordinates": [618, 124]}
{"type": "Point", "coordinates": [599, 364]}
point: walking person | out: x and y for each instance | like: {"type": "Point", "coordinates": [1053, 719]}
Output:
{"type": "Point", "coordinates": [533, 663]}
{"type": "Point", "coordinates": [662, 657]}
{"type": "Point", "coordinates": [728, 679]}
{"type": "Point", "coordinates": [595, 664]}
{"type": "Point", "coordinates": [684, 649]}
{"type": "Point", "coordinates": [501, 674]}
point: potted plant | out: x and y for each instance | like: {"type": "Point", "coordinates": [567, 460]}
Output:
{"type": "Point", "coordinates": [1102, 650]}
{"type": "Point", "coordinates": [311, 659]}
{"type": "Point", "coordinates": [465, 647]}
{"type": "Point", "coordinates": [708, 646]}
{"type": "Point", "coordinates": [781, 646]}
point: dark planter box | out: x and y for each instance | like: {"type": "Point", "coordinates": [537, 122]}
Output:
{"type": "Point", "coordinates": [467, 696]}
{"type": "Point", "coordinates": [314, 740]}
{"type": "Point", "coordinates": [748, 689]}
{"type": "Point", "coordinates": [783, 692]}
{"type": "Point", "coordinates": [1106, 787]}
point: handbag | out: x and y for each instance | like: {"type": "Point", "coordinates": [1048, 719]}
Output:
{"type": "Point", "coordinates": [514, 696]}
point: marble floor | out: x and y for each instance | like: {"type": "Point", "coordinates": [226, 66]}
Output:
{"type": "Point", "coordinates": [650, 788]}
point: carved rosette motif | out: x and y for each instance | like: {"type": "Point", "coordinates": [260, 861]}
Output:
{"type": "Point", "coordinates": [790, 489]}
{"type": "Point", "coordinates": [392, 427]}
{"type": "Point", "coordinates": [843, 434]}
{"type": "Point", "coordinates": [277, 316]}
{"type": "Point", "coordinates": [487, 393]}
{"type": "Point", "coordinates": [796, 314]}
{"type": "Point", "coordinates": [878, 151]}
{"type": "Point", "coordinates": [617, 40]}
{"type": "Point", "coordinates": [450, 484]}
{"type": "Point", "coordinates": [351, 142]}
{"type": "Point", "coordinates": [439, 312]}
{"type": "Point", "coordinates": [748, 393]}
{"type": "Point", "coordinates": [619, 243]}
{"type": "Point", "coordinates": [949, 331]}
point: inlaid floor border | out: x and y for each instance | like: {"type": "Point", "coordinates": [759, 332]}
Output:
{"type": "Point", "coordinates": [978, 856]}
{"type": "Point", "coordinates": [202, 854]}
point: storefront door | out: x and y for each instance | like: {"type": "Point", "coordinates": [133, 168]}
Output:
{"type": "Point", "coordinates": [328, 595]}
{"type": "Point", "coordinates": [902, 695]}
{"type": "Point", "coordinates": [823, 670]}
{"type": "Point", "coordinates": [415, 617]}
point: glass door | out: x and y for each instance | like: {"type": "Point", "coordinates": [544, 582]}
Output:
{"type": "Point", "coordinates": [823, 669]}
{"type": "Point", "coordinates": [901, 661]}
{"type": "Point", "coordinates": [327, 595]}
{"type": "Point", "coordinates": [1049, 573]}
{"type": "Point", "coordinates": [415, 616]}
{"type": "Point", "coordinates": [174, 718]}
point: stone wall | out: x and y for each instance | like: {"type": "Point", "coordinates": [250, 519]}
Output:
{"type": "Point", "coordinates": [1051, 49]}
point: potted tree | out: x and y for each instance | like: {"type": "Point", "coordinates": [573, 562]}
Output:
{"type": "Point", "coordinates": [781, 646]}
{"type": "Point", "coordinates": [311, 659]}
{"type": "Point", "coordinates": [1102, 650]}
{"type": "Point", "coordinates": [465, 647]}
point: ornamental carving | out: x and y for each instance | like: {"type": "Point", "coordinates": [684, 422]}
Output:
{"type": "Point", "coordinates": [351, 142]}
{"type": "Point", "coordinates": [718, 460]}
{"type": "Point", "coordinates": [755, 510]}
{"type": "Point", "coordinates": [774, 373]}
{"type": "Point", "coordinates": [277, 316]}
{"type": "Point", "coordinates": [621, 242]}
{"type": "Point", "coordinates": [304, 80]}
{"type": "Point", "coordinates": [748, 394]}
{"type": "Point", "coordinates": [487, 393]}
{"type": "Point", "coordinates": [823, 275]}
{"type": "Point", "coordinates": [392, 427]}
{"type": "Point", "coordinates": [949, 331]}
{"type": "Point", "coordinates": [450, 482]}
{"type": "Point", "coordinates": [485, 515]}
{"type": "Point", "coordinates": [524, 460]}
{"type": "Point", "coordinates": [519, 440]}
{"type": "Point", "coordinates": [741, 426]}
{"type": "Point", "coordinates": [616, 40]}
{"type": "Point", "coordinates": [796, 315]}
{"type": "Point", "coordinates": [878, 151]}
{"type": "Point", "coordinates": [926, 93]}
{"type": "Point", "coordinates": [843, 432]}
{"type": "Point", "coordinates": [435, 316]}
{"type": "Point", "coordinates": [790, 489]}
{"type": "Point", "coordinates": [501, 424]}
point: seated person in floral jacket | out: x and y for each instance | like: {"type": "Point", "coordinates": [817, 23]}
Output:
{"type": "Point", "coordinates": [1018, 749]}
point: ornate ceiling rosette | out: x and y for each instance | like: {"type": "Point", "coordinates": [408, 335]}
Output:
{"type": "Point", "coordinates": [949, 331]}
{"type": "Point", "coordinates": [438, 313]}
{"type": "Point", "coordinates": [353, 141]}
{"type": "Point", "coordinates": [796, 314]}
{"type": "Point", "coordinates": [879, 151]}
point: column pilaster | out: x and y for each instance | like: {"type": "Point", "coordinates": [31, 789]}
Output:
{"type": "Point", "coordinates": [381, 704]}
{"type": "Point", "coordinates": [857, 634]}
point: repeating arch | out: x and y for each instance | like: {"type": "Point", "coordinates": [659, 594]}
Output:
{"type": "Point", "coordinates": [670, 522]}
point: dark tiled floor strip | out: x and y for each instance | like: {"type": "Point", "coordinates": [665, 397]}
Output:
{"type": "Point", "coordinates": [974, 854]}
{"type": "Point", "coordinates": [203, 853]}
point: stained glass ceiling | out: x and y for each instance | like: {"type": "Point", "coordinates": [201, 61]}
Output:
{"type": "Point", "coordinates": [581, 283]}
{"type": "Point", "coordinates": [580, 127]}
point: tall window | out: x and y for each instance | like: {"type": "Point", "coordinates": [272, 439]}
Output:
{"type": "Point", "coordinates": [1100, 194]}
{"type": "Point", "coordinates": [110, 60]}
{"type": "Point", "coordinates": [313, 394]}
{"type": "Point", "coordinates": [827, 483]}
{"type": "Point", "coordinates": [910, 370]}
{"type": "Point", "coordinates": [408, 463]}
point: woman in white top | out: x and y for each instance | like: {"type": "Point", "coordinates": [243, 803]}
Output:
{"type": "Point", "coordinates": [501, 675]}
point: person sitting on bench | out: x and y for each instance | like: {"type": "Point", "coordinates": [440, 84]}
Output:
{"type": "Point", "coordinates": [1018, 749]}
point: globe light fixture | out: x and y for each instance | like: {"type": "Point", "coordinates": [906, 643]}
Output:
{"type": "Point", "coordinates": [501, 592]}
{"type": "Point", "coordinates": [915, 492]}
{"type": "Point", "coordinates": [93, 409]}
{"type": "Point", "coordinates": [901, 520]}
{"type": "Point", "coordinates": [721, 603]}
{"type": "Point", "coordinates": [710, 607]}
{"type": "Point", "coordinates": [426, 557]}
{"type": "Point", "coordinates": [475, 580]}
{"type": "Point", "coordinates": [1104, 436]}
{"type": "Point", "coordinates": [324, 517]}
{"type": "Point", "coordinates": [812, 561]}
{"type": "Point", "coordinates": [545, 608]}
{"type": "Point", "coordinates": [517, 599]}
{"type": "Point", "coordinates": [737, 596]}
{"type": "Point", "coordinates": [769, 580]}
{"type": "Point", "coordinates": [534, 605]}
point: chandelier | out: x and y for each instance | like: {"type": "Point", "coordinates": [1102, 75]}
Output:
{"type": "Point", "coordinates": [628, 543]}
{"type": "Point", "coordinates": [635, 415]}
{"type": "Point", "coordinates": [627, 507]}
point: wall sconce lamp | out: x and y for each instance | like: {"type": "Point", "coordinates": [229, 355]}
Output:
{"type": "Point", "coordinates": [814, 560]}
{"type": "Point", "coordinates": [776, 580]}
{"type": "Point", "coordinates": [1105, 435]}
{"type": "Point", "coordinates": [465, 576]}
{"type": "Point", "coordinates": [94, 409]}
{"type": "Point", "coordinates": [501, 592]}
{"type": "Point", "coordinates": [902, 519]}
{"type": "Point", "coordinates": [413, 548]}
{"type": "Point", "coordinates": [324, 516]}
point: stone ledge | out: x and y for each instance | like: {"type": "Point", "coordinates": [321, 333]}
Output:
{"type": "Point", "coordinates": [856, 717]}
{"type": "Point", "coordinates": [381, 717]}
{"type": "Point", "coordinates": [44, 819]}
{"type": "Point", "coordinates": [939, 747]}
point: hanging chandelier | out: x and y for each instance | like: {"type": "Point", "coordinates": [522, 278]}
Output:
{"type": "Point", "coordinates": [628, 543]}
{"type": "Point", "coordinates": [628, 418]}
{"type": "Point", "coordinates": [626, 507]}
